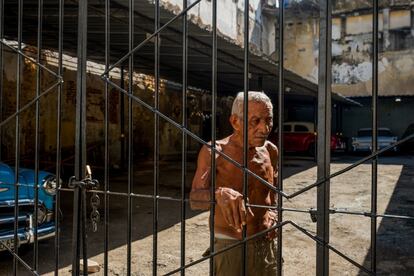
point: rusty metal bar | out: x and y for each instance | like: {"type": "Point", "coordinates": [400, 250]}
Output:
{"type": "Point", "coordinates": [58, 136]}
{"type": "Point", "coordinates": [130, 132]}
{"type": "Point", "coordinates": [374, 168]}
{"type": "Point", "coordinates": [156, 134]}
{"type": "Point", "coordinates": [80, 141]}
{"type": "Point", "coordinates": [106, 134]}
{"type": "Point", "coordinates": [17, 137]}
{"type": "Point", "coordinates": [213, 132]}
{"type": "Point", "coordinates": [37, 140]}
{"type": "Point", "coordinates": [324, 137]}
{"type": "Point", "coordinates": [280, 119]}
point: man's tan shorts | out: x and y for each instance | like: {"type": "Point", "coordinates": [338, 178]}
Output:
{"type": "Point", "coordinates": [261, 258]}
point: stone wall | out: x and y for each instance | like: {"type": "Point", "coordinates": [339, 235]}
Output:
{"type": "Point", "coordinates": [198, 112]}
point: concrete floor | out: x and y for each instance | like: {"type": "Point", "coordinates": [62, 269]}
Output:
{"type": "Point", "coordinates": [349, 233]}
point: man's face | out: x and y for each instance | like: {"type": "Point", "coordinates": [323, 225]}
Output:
{"type": "Point", "coordinates": [260, 123]}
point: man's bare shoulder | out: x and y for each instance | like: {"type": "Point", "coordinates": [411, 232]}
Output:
{"type": "Point", "coordinates": [273, 153]}
{"type": "Point", "coordinates": [272, 148]}
{"type": "Point", "coordinates": [223, 142]}
{"type": "Point", "coordinates": [206, 149]}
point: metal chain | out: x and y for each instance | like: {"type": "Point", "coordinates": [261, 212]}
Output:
{"type": "Point", "coordinates": [95, 216]}
{"type": "Point", "coordinates": [89, 184]}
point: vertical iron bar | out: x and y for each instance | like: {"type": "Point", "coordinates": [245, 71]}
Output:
{"type": "Point", "coordinates": [315, 121]}
{"type": "Point", "coordinates": [1, 74]}
{"type": "Point", "coordinates": [374, 171]}
{"type": "Point", "coordinates": [213, 132]}
{"type": "Point", "coordinates": [122, 119]}
{"type": "Point", "coordinates": [80, 134]}
{"type": "Point", "coordinates": [280, 135]}
{"type": "Point", "coordinates": [324, 137]}
{"type": "Point", "coordinates": [156, 138]}
{"type": "Point", "coordinates": [130, 130]}
{"type": "Point", "coordinates": [184, 138]}
{"type": "Point", "coordinates": [37, 142]}
{"type": "Point", "coordinates": [17, 148]}
{"type": "Point", "coordinates": [84, 207]}
{"type": "Point", "coordinates": [58, 142]}
{"type": "Point", "coordinates": [106, 127]}
{"type": "Point", "coordinates": [245, 124]}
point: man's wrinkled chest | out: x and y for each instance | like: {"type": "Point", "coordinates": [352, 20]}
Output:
{"type": "Point", "coordinates": [230, 175]}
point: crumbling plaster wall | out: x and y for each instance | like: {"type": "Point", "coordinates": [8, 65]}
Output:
{"type": "Point", "coordinates": [301, 47]}
{"type": "Point", "coordinates": [48, 109]}
{"type": "Point", "coordinates": [352, 52]}
{"type": "Point", "coordinates": [198, 112]}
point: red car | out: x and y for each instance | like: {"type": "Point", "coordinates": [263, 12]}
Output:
{"type": "Point", "coordinates": [301, 137]}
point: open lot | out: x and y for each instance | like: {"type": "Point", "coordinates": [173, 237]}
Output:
{"type": "Point", "coordinates": [349, 233]}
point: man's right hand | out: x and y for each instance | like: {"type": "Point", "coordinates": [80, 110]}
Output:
{"type": "Point", "coordinates": [232, 206]}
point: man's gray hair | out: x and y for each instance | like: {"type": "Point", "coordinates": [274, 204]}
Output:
{"type": "Point", "coordinates": [253, 96]}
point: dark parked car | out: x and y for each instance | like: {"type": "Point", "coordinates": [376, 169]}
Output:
{"type": "Point", "coordinates": [409, 145]}
{"type": "Point", "coordinates": [26, 224]}
{"type": "Point", "coordinates": [363, 140]}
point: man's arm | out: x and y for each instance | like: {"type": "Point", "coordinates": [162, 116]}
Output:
{"type": "Point", "coordinates": [230, 201]}
{"type": "Point", "coordinates": [271, 214]}
{"type": "Point", "coordinates": [274, 158]}
{"type": "Point", "coordinates": [200, 188]}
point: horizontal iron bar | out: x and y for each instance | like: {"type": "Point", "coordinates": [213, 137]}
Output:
{"type": "Point", "coordinates": [394, 216]}
{"type": "Point", "coordinates": [359, 213]}
{"type": "Point", "coordinates": [31, 59]}
{"type": "Point", "coordinates": [149, 38]}
{"type": "Point", "coordinates": [308, 211]}
{"type": "Point", "coordinates": [131, 194]}
{"type": "Point", "coordinates": [332, 211]}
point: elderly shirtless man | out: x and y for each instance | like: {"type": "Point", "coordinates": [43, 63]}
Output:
{"type": "Point", "coordinates": [231, 215]}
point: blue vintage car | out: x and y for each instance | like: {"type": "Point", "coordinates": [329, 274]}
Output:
{"type": "Point", "coordinates": [26, 225]}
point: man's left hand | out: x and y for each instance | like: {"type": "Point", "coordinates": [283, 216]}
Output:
{"type": "Point", "coordinates": [269, 220]}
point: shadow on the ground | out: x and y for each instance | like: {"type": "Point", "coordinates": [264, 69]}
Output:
{"type": "Point", "coordinates": [391, 233]}
{"type": "Point", "coordinates": [141, 212]}
{"type": "Point", "coordinates": [395, 253]}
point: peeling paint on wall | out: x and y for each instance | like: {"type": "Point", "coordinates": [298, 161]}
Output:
{"type": "Point", "coordinates": [345, 73]}
{"type": "Point", "coordinates": [352, 50]}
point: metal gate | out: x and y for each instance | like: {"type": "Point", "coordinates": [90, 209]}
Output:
{"type": "Point", "coordinates": [82, 183]}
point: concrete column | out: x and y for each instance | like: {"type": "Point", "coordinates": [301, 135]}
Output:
{"type": "Point", "coordinates": [412, 17]}
{"type": "Point", "coordinates": [386, 29]}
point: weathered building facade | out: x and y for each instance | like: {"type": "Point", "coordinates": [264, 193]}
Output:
{"type": "Point", "coordinates": [352, 58]}
{"type": "Point", "coordinates": [351, 51]}
{"type": "Point", "coordinates": [263, 25]}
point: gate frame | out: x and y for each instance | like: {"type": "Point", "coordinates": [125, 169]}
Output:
{"type": "Point", "coordinates": [324, 175]}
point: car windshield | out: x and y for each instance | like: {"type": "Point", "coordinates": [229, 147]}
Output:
{"type": "Point", "coordinates": [368, 133]}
